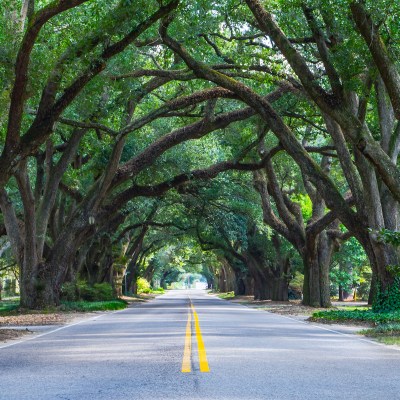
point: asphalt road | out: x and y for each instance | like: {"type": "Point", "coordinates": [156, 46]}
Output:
{"type": "Point", "coordinates": [137, 353]}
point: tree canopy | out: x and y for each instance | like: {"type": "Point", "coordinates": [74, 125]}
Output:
{"type": "Point", "coordinates": [245, 140]}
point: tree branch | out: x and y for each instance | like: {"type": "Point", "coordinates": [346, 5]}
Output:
{"type": "Point", "coordinates": [385, 65]}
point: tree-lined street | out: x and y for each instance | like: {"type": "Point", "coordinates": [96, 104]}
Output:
{"type": "Point", "coordinates": [146, 139]}
{"type": "Point", "coordinates": [247, 147]}
{"type": "Point", "coordinates": [137, 353]}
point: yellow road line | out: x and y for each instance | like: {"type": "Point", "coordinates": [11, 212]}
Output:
{"type": "Point", "coordinates": [186, 362]}
{"type": "Point", "coordinates": [204, 367]}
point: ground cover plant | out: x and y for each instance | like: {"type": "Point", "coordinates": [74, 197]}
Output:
{"type": "Point", "coordinates": [227, 295]}
{"type": "Point", "coordinates": [8, 306]}
{"type": "Point", "coordinates": [356, 315]}
{"type": "Point", "coordinates": [386, 333]}
{"type": "Point", "coordinates": [87, 306]}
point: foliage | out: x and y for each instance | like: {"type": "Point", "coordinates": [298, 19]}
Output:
{"type": "Point", "coordinates": [389, 236]}
{"type": "Point", "coordinates": [204, 220]}
{"type": "Point", "coordinates": [69, 291]}
{"type": "Point", "coordinates": [81, 290]}
{"type": "Point", "coordinates": [385, 333]}
{"type": "Point", "coordinates": [103, 291]}
{"type": "Point", "coordinates": [143, 285]}
{"type": "Point", "coordinates": [350, 269]}
{"type": "Point", "coordinates": [227, 295]}
{"type": "Point", "coordinates": [159, 290]}
{"type": "Point", "coordinates": [389, 298]}
{"type": "Point", "coordinates": [357, 316]}
{"type": "Point", "coordinates": [7, 305]}
{"type": "Point", "coordinates": [297, 282]}
{"type": "Point", "coordinates": [388, 329]}
{"type": "Point", "coordinates": [93, 305]}
{"type": "Point", "coordinates": [305, 203]}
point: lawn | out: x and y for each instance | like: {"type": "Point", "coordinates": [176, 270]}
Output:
{"type": "Point", "coordinates": [227, 295]}
{"type": "Point", "coordinates": [385, 333]}
{"type": "Point", "coordinates": [7, 306]}
{"type": "Point", "coordinates": [83, 306]}
{"type": "Point", "coordinates": [356, 315]}
{"type": "Point", "coordinates": [385, 327]}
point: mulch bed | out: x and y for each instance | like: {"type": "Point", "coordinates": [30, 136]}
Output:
{"type": "Point", "coordinates": [35, 319]}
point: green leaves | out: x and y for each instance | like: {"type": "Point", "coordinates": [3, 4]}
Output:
{"type": "Point", "coordinates": [388, 236]}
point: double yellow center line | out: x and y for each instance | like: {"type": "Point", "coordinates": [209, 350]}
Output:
{"type": "Point", "coordinates": [201, 350]}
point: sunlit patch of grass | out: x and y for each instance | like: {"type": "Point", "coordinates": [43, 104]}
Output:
{"type": "Point", "coordinates": [83, 306]}
{"type": "Point", "coordinates": [391, 340]}
{"type": "Point", "coordinates": [353, 308]}
{"type": "Point", "coordinates": [385, 333]}
{"type": "Point", "coordinates": [227, 295]}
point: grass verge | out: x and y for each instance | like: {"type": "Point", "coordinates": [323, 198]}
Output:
{"type": "Point", "coordinates": [83, 306]}
{"type": "Point", "coordinates": [356, 316]}
{"type": "Point", "coordinates": [385, 333]}
{"type": "Point", "coordinates": [227, 295]}
{"type": "Point", "coordinates": [12, 307]}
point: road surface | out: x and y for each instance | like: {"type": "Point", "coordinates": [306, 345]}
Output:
{"type": "Point", "coordinates": [140, 353]}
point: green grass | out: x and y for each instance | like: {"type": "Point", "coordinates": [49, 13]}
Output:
{"type": "Point", "coordinates": [353, 308]}
{"type": "Point", "coordinates": [386, 326]}
{"type": "Point", "coordinates": [152, 291]}
{"type": "Point", "coordinates": [356, 315]}
{"type": "Point", "coordinates": [158, 291]}
{"type": "Point", "coordinates": [384, 329]}
{"type": "Point", "coordinates": [385, 333]}
{"type": "Point", "coordinates": [390, 340]}
{"type": "Point", "coordinates": [110, 305]}
{"type": "Point", "coordinates": [8, 306]}
{"type": "Point", "coordinates": [227, 295]}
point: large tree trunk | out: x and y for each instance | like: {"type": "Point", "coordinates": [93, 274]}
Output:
{"type": "Point", "coordinates": [341, 293]}
{"type": "Point", "coordinates": [317, 256]}
{"type": "Point", "coordinates": [230, 278]}
{"type": "Point", "coordinates": [262, 283]}
{"type": "Point", "coordinates": [311, 288]}
{"type": "Point", "coordinates": [280, 282]}
{"type": "Point", "coordinates": [325, 249]}
{"type": "Point", "coordinates": [43, 289]}
{"type": "Point", "coordinates": [381, 255]}
{"type": "Point", "coordinates": [41, 282]}
{"type": "Point", "coordinates": [248, 285]}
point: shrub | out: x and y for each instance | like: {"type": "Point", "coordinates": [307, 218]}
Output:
{"type": "Point", "coordinates": [389, 299]}
{"type": "Point", "coordinates": [85, 291]}
{"type": "Point", "coordinates": [297, 282]}
{"type": "Point", "coordinates": [103, 291]}
{"type": "Point", "coordinates": [81, 290]}
{"type": "Point", "coordinates": [143, 285]}
{"type": "Point", "coordinates": [69, 291]}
